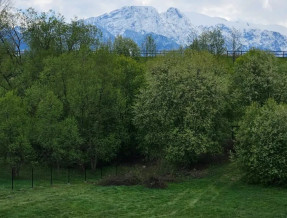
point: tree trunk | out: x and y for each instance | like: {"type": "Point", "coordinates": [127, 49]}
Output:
{"type": "Point", "coordinates": [16, 172]}
{"type": "Point", "coordinates": [93, 163]}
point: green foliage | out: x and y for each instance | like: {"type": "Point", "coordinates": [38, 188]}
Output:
{"type": "Point", "coordinates": [126, 47]}
{"type": "Point", "coordinates": [219, 194]}
{"type": "Point", "coordinates": [98, 90]}
{"type": "Point", "coordinates": [78, 35]}
{"type": "Point", "coordinates": [43, 31]}
{"type": "Point", "coordinates": [11, 60]}
{"type": "Point", "coordinates": [47, 121]}
{"type": "Point", "coordinates": [131, 80]}
{"type": "Point", "coordinates": [256, 79]}
{"type": "Point", "coordinates": [96, 101]}
{"type": "Point", "coordinates": [149, 46]}
{"type": "Point", "coordinates": [58, 139]}
{"type": "Point", "coordinates": [254, 74]}
{"type": "Point", "coordinates": [15, 146]}
{"type": "Point", "coordinates": [211, 41]}
{"type": "Point", "coordinates": [47, 34]}
{"type": "Point", "coordinates": [262, 143]}
{"type": "Point", "coordinates": [70, 141]}
{"type": "Point", "coordinates": [234, 42]}
{"type": "Point", "coordinates": [180, 111]}
{"type": "Point", "coordinates": [70, 100]}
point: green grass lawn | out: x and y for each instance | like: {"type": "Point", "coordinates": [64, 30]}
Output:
{"type": "Point", "coordinates": [219, 194]}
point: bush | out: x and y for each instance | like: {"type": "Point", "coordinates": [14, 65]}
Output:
{"type": "Point", "coordinates": [128, 179]}
{"type": "Point", "coordinates": [262, 143]}
{"type": "Point", "coordinates": [153, 176]}
{"type": "Point", "coordinates": [180, 112]}
{"type": "Point", "coordinates": [256, 79]}
{"type": "Point", "coordinates": [155, 182]}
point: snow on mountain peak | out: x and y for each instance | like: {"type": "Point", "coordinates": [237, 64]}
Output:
{"type": "Point", "coordinates": [174, 12]}
{"type": "Point", "coordinates": [176, 26]}
{"type": "Point", "coordinates": [136, 18]}
{"type": "Point", "coordinates": [147, 10]}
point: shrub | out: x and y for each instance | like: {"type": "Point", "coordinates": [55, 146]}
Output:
{"type": "Point", "coordinates": [179, 114]}
{"type": "Point", "coordinates": [128, 179]}
{"type": "Point", "coordinates": [153, 176]}
{"type": "Point", "coordinates": [256, 79]}
{"type": "Point", "coordinates": [155, 182]}
{"type": "Point", "coordinates": [261, 146]}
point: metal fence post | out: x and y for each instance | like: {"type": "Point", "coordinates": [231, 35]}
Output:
{"type": "Point", "coordinates": [12, 178]}
{"type": "Point", "coordinates": [51, 178]}
{"type": "Point", "coordinates": [68, 175]}
{"type": "Point", "coordinates": [32, 177]}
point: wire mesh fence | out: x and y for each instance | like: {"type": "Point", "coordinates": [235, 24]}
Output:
{"type": "Point", "coordinates": [40, 176]}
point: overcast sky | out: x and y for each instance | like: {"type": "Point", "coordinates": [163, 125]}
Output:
{"type": "Point", "coordinates": [254, 11]}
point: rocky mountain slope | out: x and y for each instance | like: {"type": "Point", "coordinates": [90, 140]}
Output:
{"type": "Point", "coordinates": [172, 29]}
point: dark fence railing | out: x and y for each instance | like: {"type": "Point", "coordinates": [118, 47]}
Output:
{"type": "Point", "coordinates": [37, 176]}
{"type": "Point", "coordinates": [279, 54]}
{"type": "Point", "coordinates": [160, 53]}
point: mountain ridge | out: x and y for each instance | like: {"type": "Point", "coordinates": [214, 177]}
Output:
{"type": "Point", "coordinates": [175, 28]}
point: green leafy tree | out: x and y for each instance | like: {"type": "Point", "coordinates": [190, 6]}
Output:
{"type": "Point", "coordinates": [179, 114]}
{"type": "Point", "coordinates": [261, 146]}
{"type": "Point", "coordinates": [11, 36]}
{"type": "Point", "coordinates": [149, 46]}
{"type": "Point", "coordinates": [211, 41]}
{"type": "Point", "coordinates": [97, 103]}
{"type": "Point", "coordinates": [57, 138]}
{"type": "Point", "coordinates": [84, 82]}
{"type": "Point", "coordinates": [126, 47]}
{"type": "Point", "coordinates": [11, 61]}
{"type": "Point", "coordinates": [15, 145]}
{"type": "Point", "coordinates": [256, 78]}
{"type": "Point", "coordinates": [48, 117]}
{"type": "Point", "coordinates": [195, 45]}
{"type": "Point", "coordinates": [78, 35]}
{"type": "Point", "coordinates": [131, 79]}
{"type": "Point", "coordinates": [57, 75]}
{"type": "Point", "coordinates": [235, 40]}
{"type": "Point", "coordinates": [47, 34]}
{"type": "Point", "coordinates": [44, 31]}
{"type": "Point", "coordinates": [70, 141]}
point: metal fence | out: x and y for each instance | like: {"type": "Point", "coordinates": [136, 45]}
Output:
{"type": "Point", "coordinates": [279, 54]}
{"type": "Point", "coordinates": [32, 177]}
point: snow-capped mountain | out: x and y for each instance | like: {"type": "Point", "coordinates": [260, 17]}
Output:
{"type": "Point", "coordinates": [172, 28]}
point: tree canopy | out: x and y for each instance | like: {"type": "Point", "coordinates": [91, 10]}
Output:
{"type": "Point", "coordinates": [179, 111]}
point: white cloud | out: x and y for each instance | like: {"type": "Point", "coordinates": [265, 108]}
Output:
{"type": "Point", "coordinates": [254, 11]}
{"type": "Point", "coordinates": [266, 5]}
{"type": "Point", "coordinates": [145, 2]}
{"type": "Point", "coordinates": [228, 11]}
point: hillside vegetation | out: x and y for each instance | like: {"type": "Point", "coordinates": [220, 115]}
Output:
{"type": "Point", "coordinates": [218, 194]}
{"type": "Point", "coordinates": [71, 101]}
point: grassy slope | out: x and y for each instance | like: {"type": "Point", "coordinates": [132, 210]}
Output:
{"type": "Point", "coordinates": [220, 194]}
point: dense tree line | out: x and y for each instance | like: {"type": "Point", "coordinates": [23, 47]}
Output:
{"type": "Point", "coordinates": [72, 100]}
{"type": "Point", "coordinates": [68, 99]}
